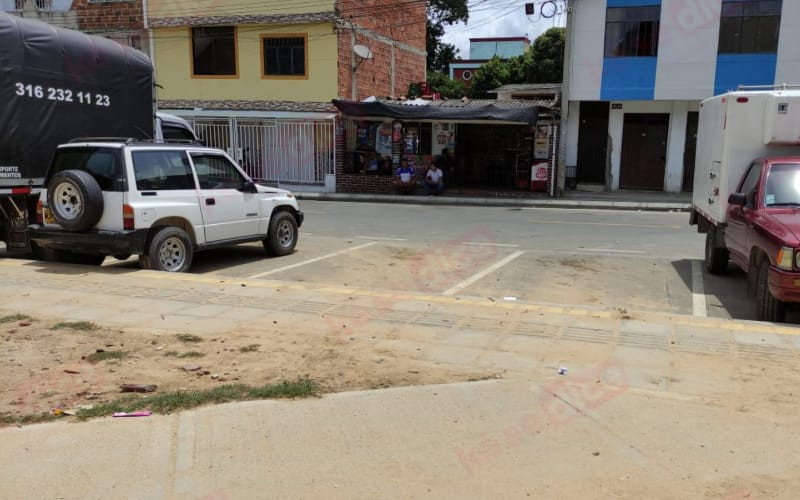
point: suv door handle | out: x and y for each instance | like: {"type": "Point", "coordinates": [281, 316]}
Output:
{"type": "Point", "coordinates": [211, 201]}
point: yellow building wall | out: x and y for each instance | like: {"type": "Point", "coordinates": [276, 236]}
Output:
{"type": "Point", "coordinates": [173, 60]}
{"type": "Point", "coordinates": [213, 8]}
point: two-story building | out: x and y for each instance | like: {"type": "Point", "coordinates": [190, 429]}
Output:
{"type": "Point", "coordinates": [636, 71]}
{"type": "Point", "coordinates": [481, 50]}
{"type": "Point", "coordinates": [258, 78]}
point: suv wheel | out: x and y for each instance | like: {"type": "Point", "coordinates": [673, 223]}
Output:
{"type": "Point", "coordinates": [170, 250]}
{"type": "Point", "coordinates": [282, 236]}
{"type": "Point", "coordinates": [75, 199]}
{"type": "Point", "coordinates": [768, 308]}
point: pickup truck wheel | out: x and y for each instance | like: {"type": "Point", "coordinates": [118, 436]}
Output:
{"type": "Point", "coordinates": [170, 250]}
{"type": "Point", "coordinates": [768, 308]}
{"type": "Point", "coordinates": [716, 259]}
{"type": "Point", "coordinates": [75, 200]}
{"type": "Point", "coordinates": [282, 236]}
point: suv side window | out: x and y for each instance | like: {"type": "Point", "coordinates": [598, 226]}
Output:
{"type": "Point", "coordinates": [162, 171]}
{"type": "Point", "coordinates": [216, 172]}
{"type": "Point", "coordinates": [750, 182]}
{"type": "Point", "coordinates": [102, 163]}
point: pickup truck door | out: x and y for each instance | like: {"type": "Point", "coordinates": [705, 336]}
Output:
{"type": "Point", "coordinates": [739, 218]}
{"type": "Point", "coordinates": [228, 213]}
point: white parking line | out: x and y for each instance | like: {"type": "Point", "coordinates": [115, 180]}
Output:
{"type": "Point", "coordinates": [311, 261]}
{"type": "Point", "coordinates": [609, 250]}
{"type": "Point", "coordinates": [380, 238]}
{"type": "Point", "coordinates": [479, 244]}
{"type": "Point", "coordinates": [698, 290]}
{"type": "Point", "coordinates": [475, 277]}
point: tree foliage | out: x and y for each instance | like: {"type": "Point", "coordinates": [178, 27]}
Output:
{"type": "Point", "coordinates": [546, 61]}
{"type": "Point", "coordinates": [442, 13]}
{"type": "Point", "coordinates": [449, 88]}
{"type": "Point", "coordinates": [542, 63]}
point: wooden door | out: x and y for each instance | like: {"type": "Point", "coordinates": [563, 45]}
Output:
{"type": "Point", "coordinates": [644, 151]}
{"type": "Point", "coordinates": [592, 142]}
{"type": "Point", "coordinates": [690, 150]}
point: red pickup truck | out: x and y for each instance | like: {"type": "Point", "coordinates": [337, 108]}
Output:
{"type": "Point", "coordinates": [762, 235]}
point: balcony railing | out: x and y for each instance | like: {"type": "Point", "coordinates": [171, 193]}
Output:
{"type": "Point", "coordinates": [40, 5]}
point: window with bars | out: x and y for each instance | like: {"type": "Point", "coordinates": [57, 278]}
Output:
{"type": "Point", "coordinates": [214, 51]}
{"type": "Point", "coordinates": [284, 56]}
{"type": "Point", "coordinates": [749, 27]}
{"type": "Point", "coordinates": [632, 31]}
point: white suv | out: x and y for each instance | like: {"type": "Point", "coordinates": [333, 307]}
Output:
{"type": "Point", "coordinates": [162, 202]}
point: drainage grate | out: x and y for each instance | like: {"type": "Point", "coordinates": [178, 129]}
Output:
{"type": "Point", "coordinates": [644, 340]}
{"type": "Point", "coordinates": [771, 354]}
{"type": "Point", "coordinates": [594, 335]}
{"type": "Point", "coordinates": [536, 330]}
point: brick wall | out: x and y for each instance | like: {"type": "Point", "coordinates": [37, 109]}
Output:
{"type": "Point", "coordinates": [399, 20]}
{"type": "Point", "coordinates": [121, 15]}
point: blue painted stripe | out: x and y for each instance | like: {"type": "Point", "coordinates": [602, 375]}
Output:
{"type": "Point", "coordinates": [744, 69]}
{"type": "Point", "coordinates": [629, 78]}
{"type": "Point", "coordinates": [632, 3]}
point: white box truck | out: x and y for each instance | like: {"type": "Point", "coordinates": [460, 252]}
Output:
{"type": "Point", "coordinates": [747, 191]}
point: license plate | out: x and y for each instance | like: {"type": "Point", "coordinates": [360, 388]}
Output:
{"type": "Point", "coordinates": [48, 217]}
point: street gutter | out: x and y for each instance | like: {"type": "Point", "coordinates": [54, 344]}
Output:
{"type": "Point", "coordinates": [498, 202]}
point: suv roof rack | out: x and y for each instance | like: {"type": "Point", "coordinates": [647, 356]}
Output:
{"type": "Point", "coordinates": [780, 86]}
{"type": "Point", "coordinates": [184, 141]}
{"type": "Point", "coordinates": [126, 140]}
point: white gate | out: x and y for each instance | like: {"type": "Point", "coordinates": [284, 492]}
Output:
{"type": "Point", "coordinates": [274, 149]}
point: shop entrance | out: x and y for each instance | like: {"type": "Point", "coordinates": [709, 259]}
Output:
{"type": "Point", "coordinates": [493, 156]}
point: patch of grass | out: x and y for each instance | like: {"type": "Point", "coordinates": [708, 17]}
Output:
{"type": "Point", "coordinates": [84, 326]}
{"type": "Point", "coordinates": [173, 401]}
{"type": "Point", "coordinates": [33, 418]}
{"type": "Point", "coordinates": [250, 348]}
{"type": "Point", "coordinates": [190, 354]}
{"type": "Point", "coordinates": [11, 318]}
{"type": "Point", "coordinates": [97, 357]}
{"type": "Point", "coordinates": [188, 337]}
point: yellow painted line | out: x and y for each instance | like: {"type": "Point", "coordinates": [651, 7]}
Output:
{"type": "Point", "coordinates": [616, 224]}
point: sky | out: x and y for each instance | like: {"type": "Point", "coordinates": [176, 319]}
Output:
{"type": "Point", "coordinates": [502, 18]}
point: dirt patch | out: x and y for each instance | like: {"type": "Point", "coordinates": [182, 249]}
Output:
{"type": "Point", "coordinates": [45, 369]}
{"type": "Point", "coordinates": [579, 264]}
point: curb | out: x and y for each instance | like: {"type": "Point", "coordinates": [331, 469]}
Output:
{"type": "Point", "coordinates": [498, 202]}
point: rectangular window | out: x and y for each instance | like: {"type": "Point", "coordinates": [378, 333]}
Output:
{"type": "Point", "coordinates": [214, 52]}
{"type": "Point", "coordinates": [284, 56]}
{"type": "Point", "coordinates": [749, 27]}
{"type": "Point", "coordinates": [632, 31]}
{"type": "Point", "coordinates": [162, 171]}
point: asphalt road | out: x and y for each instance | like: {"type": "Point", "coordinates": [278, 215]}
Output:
{"type": "Point", "coordinates": [626, 260]}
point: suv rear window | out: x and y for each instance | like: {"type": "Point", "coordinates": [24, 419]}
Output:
{"type": "Point", "coordinates": [104, 164]}
{"type": "Point", "coordinates": [162, 171]}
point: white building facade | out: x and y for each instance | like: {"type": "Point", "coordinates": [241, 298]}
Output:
{"type": "Point", "coordinates": [636, 71]}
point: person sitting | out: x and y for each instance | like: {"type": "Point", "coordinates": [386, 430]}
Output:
{"type": "Point", "coordinates": [405, 180]}
{"type": "Point", "coordinates": [434, 180]}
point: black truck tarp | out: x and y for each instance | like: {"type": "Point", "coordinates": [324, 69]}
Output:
{"type": "Point", "coordinates": [490, 112]}
{"type": "Point", "coordinates": [59, 84]}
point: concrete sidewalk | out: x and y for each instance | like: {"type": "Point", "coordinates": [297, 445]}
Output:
{"type": "Point", "coordinates": [621, 200]}
{"type": "Point", "coordinates": [565, 438]}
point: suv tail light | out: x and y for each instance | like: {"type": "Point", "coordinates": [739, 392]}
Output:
{"type": "Point", "coordinates": [39, 212]}
{"type": "Point", "coordinates": [127, 218]}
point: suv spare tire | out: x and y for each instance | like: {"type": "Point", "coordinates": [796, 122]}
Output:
{"type": "Point", "coordinates": [75, 199]}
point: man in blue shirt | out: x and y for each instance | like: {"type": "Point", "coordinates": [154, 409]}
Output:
{"type": "Point", "coordinates": [405, 180]}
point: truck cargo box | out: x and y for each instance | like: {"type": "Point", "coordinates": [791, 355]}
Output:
{"type": "Point", "coordinates": [58, 84]}
{"type": "Point", "coordinates": [734, 129]}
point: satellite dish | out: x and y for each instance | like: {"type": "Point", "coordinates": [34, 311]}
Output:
{"type": "Point", "coordinates": [362, 51]}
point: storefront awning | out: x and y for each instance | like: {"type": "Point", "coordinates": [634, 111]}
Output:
{"type": "Point", "coordinates": [484, 113]}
